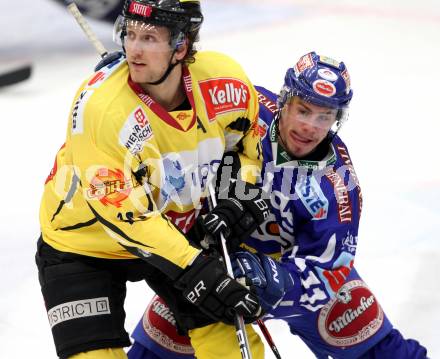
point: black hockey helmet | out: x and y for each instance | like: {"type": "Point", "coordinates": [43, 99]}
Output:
{"type": "Point", "coordinates": [182, 17]}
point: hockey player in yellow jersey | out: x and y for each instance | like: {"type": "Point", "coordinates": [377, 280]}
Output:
{"type": "Point", "coordinates": [145, 136]}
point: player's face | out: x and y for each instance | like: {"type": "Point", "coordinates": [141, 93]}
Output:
{"type": "Point", "coordinates": [304, 125]}
{"type": "Point", "coordinates": [148, 51]}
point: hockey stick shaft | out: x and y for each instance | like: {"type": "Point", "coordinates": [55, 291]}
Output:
{"type": "Point", "coordinates": [260, 323]}
{"type": "Point", "coordinates": [73, 9]}
{"type": "Point", "coordinates": [268, 338]}
{"type": "Point", "coordinates": [240, 327]}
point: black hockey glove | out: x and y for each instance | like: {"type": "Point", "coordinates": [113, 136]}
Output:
{"type": "Point", "coordinates": [238, 215]}
{"type": "Point", "coordinates": [206, 285]}
{"type": "Point", "coordinates": [108, 59]}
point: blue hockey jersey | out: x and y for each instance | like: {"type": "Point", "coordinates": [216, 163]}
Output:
{"type": "Point", "coordinates": [313, 232]}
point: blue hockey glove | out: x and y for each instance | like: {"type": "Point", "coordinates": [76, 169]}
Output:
{"type": "Point", "coordinates": [270, 280]}
{"type": "Point", "coordinates": [107, 60]}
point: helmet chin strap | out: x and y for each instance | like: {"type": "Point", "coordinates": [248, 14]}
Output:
{"type": "Point", "coordinates": [167, 71]}
{"type": "Point", "coordinates": [176, 44]}
{"type": "Point", "coordinates": [332, 134]}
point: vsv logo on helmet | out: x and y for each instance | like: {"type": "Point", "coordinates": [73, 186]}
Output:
{"type": "Point", "coordinates": [223, 95]}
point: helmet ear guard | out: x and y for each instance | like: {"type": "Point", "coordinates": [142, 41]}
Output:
{"type": "Point", "coordinates": [177, 40]}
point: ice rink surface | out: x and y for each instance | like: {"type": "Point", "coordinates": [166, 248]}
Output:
{"type": "Point", "coordinates": [392, 51]}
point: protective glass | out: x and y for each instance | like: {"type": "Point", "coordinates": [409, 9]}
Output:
{"type": "Point", "coordinates": [149, 37]}
{"type": "Point", "coordinates": [300, 110]}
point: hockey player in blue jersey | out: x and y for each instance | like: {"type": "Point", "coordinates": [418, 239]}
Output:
{"type": "Point", "coordinates": [301, 261]}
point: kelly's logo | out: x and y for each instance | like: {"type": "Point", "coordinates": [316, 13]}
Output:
{"type": "Point", "coordinates": [223, 95]}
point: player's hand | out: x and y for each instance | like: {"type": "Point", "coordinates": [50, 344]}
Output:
{"type": "Point", "coordinates": [270, 279]}
{"type": "Point", "coordinates": [237, 216]}
{"type": "Point", "coordinates": [108, 59]}
{"type": "Point", "coordinates": [206, 284]}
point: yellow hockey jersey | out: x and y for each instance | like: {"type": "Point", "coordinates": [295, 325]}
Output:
{"type": "Point", "coordinates": [131, 172]}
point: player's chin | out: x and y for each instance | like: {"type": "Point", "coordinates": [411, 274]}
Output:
{"type": "Point", "coordinates": [302, 151]}
{"type": "Point", "coordinates": [138, 72]}
{"type": "Point", "coordinates": [139, 77]}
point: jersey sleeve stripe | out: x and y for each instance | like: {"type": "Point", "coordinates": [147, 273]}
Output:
{"type": "Point", "coordinates": [80, 225]}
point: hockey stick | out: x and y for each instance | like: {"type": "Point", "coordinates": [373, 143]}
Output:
{"type": "Point", "coordinates": [260, 323]}
{"type": "Point", "coordinates": [268, 338]}
{"type": "Point", "coordinates": [73, 9]}
{"type": "Point", "coordinates": [15, 76]}
{"type": "Point", "coordinates": [242, 338]}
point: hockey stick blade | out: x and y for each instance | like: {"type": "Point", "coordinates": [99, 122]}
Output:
{"type": "Point", "coordinates": [15, 76]}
